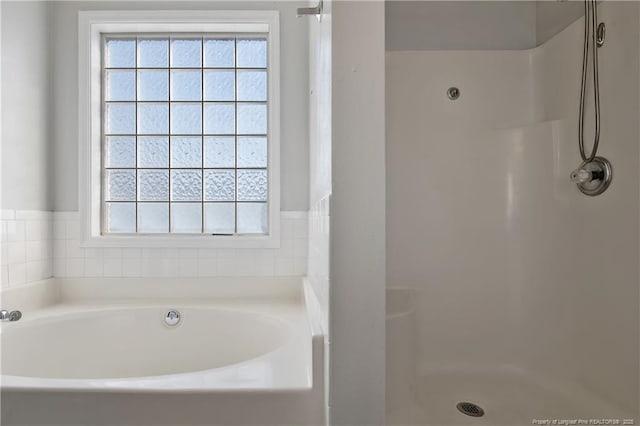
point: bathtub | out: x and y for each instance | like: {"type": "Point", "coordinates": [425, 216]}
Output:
{"type": "Point", "coordinates": [99, 351]}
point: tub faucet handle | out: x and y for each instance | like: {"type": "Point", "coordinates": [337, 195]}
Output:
{"type": "Point", "coordinates": [10, 316]}
{"type": "Point", "coordinates": [593, 177]}
{"type": "Point", "coordinates": [581, 176]}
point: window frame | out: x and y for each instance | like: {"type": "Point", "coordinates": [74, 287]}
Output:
{"type": "Point", "coordinates": [92, 27]}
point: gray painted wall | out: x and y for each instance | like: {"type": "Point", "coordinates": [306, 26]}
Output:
{"type": "Point", "coordinates": [26, 87]}
{"type": "Point", "coordinates": [476, 25]}
{"type": "Point", "coordinates": [553, 17]}
{"type": "Point", "coordinates": [357, 248]}
{"type": "Point", "coordinates": [294, 144]}
{"type": "Point", "coordinates": [460, 25]}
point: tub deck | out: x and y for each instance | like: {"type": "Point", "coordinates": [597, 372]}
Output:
{"type": "Point", "coordinates": [283, 386]}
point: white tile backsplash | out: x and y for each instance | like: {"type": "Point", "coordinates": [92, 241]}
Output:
{"type": "Point", "coordinates": [4, 273]}
{"type": "Point", "coordinates": [59, 267]}
{"type": "Point", "coordinates": [74, 268]}
{"type": "Point", "coordinates": [26, 246]}
{"type": "Point", "coordinates": [131, 267]}
{"type": "Point", "coordinates": [17, 274]}
{"type": "Point", "coordinates": [15, 230]}
{"type": "Point", "coordinates": [7, 214]}
{"type": "Point", "coordinates": [207, 267]}
{"type": "Point", "coordinates": [72, 260]}
{"type": "Point", "coordinates": [17, 252]}
{"type": "Point", "coordinates": [36, 245]}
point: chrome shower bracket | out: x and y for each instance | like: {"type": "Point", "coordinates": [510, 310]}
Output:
{"type": "Point", "coordinates": [593, 177]}
{"type": "Point", "coordinates": [317, 11]}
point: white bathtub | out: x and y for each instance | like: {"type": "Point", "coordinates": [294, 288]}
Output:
{"type": "Point", "coordinates": [99, 347]}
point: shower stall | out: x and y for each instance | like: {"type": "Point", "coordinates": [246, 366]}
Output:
{"type": "Point", "coordinates": [512, 297]}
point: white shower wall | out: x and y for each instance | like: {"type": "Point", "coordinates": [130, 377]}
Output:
{"type": "Point", "coordinates": [590, 284]}
{"type": "Point", "coordinates": [514, 267]}
{"type": "Point", "coordinates": [446, 197]}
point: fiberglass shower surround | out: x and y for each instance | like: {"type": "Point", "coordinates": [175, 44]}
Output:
{"type": "Point", "coordinates": [517, 279]}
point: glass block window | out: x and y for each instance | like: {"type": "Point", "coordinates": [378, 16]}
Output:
{"type": "Point", "coordinates": [185, 134]}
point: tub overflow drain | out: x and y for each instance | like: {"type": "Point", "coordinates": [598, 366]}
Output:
{"type": "Point", "coordinates": [172, 318]}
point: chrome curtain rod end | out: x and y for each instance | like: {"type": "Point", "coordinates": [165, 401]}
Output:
{"type": "Point", "coordinates": [305, 11]}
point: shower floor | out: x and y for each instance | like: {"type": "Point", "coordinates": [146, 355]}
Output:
{"type": "Point", "coordinates": [508, 397]}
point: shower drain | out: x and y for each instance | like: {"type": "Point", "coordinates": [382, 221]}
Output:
{"type": "Point", "coordinates": [470, 409]}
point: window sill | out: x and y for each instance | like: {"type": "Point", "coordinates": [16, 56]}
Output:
{"type": "Point", "coordinates": [186, 241]}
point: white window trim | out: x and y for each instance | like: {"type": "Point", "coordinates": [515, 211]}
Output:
{"type": "Point", "coordinates": [91, 25]}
